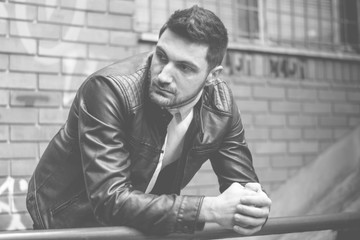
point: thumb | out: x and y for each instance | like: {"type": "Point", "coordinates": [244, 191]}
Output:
{"type": "Point", "coordinates": [254, 186]}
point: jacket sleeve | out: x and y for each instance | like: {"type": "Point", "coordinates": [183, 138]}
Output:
{"type": "Point", "coordinates": [233, 161]}
{"type": "Point", "coordinates": [106, 165]}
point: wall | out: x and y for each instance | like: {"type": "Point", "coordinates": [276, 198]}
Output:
{"type": "Point", "coordinates": [293, 108]}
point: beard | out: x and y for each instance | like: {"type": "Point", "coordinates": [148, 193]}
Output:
{"type": "Point", "coordinates": [167, 97]}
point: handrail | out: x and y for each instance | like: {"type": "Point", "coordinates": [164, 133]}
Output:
{"type": "Point", "coordinates": [278, 225]}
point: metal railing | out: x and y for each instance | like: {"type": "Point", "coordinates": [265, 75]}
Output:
{"type": "Point", "coordinates": [281, 225]}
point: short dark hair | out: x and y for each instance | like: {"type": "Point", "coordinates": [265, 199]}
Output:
{"type": "Point", "coordinates": [201, 26]}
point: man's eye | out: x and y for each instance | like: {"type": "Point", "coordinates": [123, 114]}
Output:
{"type": "Point", "coordinates": [185, 68]}
{"type": "Point", "coordinates": [161, 57]}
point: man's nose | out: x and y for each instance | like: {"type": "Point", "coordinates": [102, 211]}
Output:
{"type": "Point", "coordinates": [166, 74]}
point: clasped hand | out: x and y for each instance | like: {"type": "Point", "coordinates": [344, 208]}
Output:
{"type": "Point", "coordinates": [244, 209]}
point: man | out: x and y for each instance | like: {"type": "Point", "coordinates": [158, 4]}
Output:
{"type": "Point", "coordinates": [138, 131]}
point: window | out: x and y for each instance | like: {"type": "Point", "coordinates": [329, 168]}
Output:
{"type": "Point", "coordinates": [330, 25]}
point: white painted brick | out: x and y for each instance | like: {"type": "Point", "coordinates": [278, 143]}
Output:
{"type": "Point", "coordinates": [61, 16]}
{"type": "Point", "coordinates": [38, 99]}
{"type": "Point", "coordinates": [62, 49]}
{"type": "Point", "coordinates": [34, 30]}
{"type": "Point", "coordinates": [57, 82]}
{"type": "Point", "coordinates": [92, 5]}
{"type": "Point", "coordinates": [18, 45]}
{"type": "Point", "coordinates": [18, 80]}
{"type": "Point", "coordinates": [34, 64]}
{"type": "Point", "coordinates": [90, 35]}
{"type": "Point", "coordinates": [108, 53]}
{"type": "Point", "coordinates": [17, 11]}
{"type": "Point", "coordinates": [108, 21]}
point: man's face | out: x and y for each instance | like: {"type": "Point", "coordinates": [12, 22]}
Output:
{"type": "Point", "coordinates": [179, 70]}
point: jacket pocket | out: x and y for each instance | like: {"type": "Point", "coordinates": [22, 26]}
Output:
{"type": "Point", "coordinates": [64, 205]}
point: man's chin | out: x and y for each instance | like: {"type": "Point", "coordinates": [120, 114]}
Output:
{"type": "Point", "coordinates": [160, 100]}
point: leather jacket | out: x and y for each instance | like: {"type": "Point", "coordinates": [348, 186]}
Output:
{"type": "Point", "coordinates": [96, 168]}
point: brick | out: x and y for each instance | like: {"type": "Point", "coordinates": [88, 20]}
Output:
{"type": "Point", "coordinates": [3, 27]}
{"type": "Point", "coordinates": [302, 121]}
{"type": "Point", "coordinates": [92, 5]}
{"type": "Point", "coordinates": [90, 35]}
{"type": "Point", "coordinates": [304, 147]}
{"type": "Point", "coordinates": [63, 83]}
{"type": "Point", "coordinates": [270, 148]}
{"type": "Point", "coordinates": [246, 119]}
{"type": "Point", "coordinates": [5, 209]}
{"type": "Point", "coordinates": [42, 148]}
{"type": "Point", "coordinates": [68, 99]}
{"type": "Point", "coordinates": [4, 168]}
{"type": "Point", "coordinates": [285, 134]}
{"type": "Point", "coordinates": [301, 94]}
{"type": "Point", "coordinates": [31, 133]}
{"type": "Point", "coordinates": [53, 116]}
{"type": "Point", "coordinates": [286, 161]}
{"type": "Point", "coordinates": [333, 121]}
{"type": "Point", "coordinates": [18, 80]}
{"type": "Point", "coordinates": [17, 11]}
{"type": "Point", "coordinates": [354, 121]}
{"type": "Point", "coordinates": [252, 105]}
{"type": "Point", "coordinates": [4, 62]}
{"type": "Point", "coordinates": [341, 132]}
{"type": "Point", "coordinates": [108, 53]}
{"type": "Point", "coordinates": [285, 107]}
{"type": "Point", "coordinates": [241, 91]}
{"type": "Point", "coordinates": [18, 45]}
{"type": "Point", "coordinates": [21, 184]}
{"type": "Point", "coordinates": [38, 99]}
{"type": "Point", "coordinates": [19, 204]}
{"type": "Point", "coordinates": [24, 220]}
{"type": "Point", "coordinates": [270, 120]}
{"type": "Point", "coordinates": [34, 30]}
{"type": "Point", "coordinates": [271, 175]}
{"type": "Point", "coordinates": [23, 167]}
{"type": "Point", "coordinates": [83, 67]}
{"type": "Point", "coordinates": [261, 162]}
{"type": "Point", "coordinates": [62, 49]}
{"type": "Point", "coordinates": [4, 133]}
{"type": "Point", "coordinates": [17, 150]}
{"type": "Point", "coordinates": [4, 97]}
{"type": "Point", "coordinates": [16, 115]}
{"type": "Point", "coordinates": [204, 178]}
{"type": "Point", "coordinates": [122, 7]}
{"type": "Point", "coordinates": [257, 134]}
{"type": "Point", "coordinates": [353, 96]}
{"type": "Point", "coordinates": [317, 134]}
{"type": "Point", "coordinates": [332, 95]}
{"type": "Point", "coordinates": [34, 64]}
{"type": "Point", "coordinates": [61, 16]}
{"type": "Point", "coordinates": [317, 108]}
{"type": "Point", "coordinates": [38, 2]}
{"type": "Point", "coordinates": [108, 21]}
{"type": "Point", "coordinates": [269, 92]}
{"type": "Point", "coordinates": [123, 38]}
{"type": "Point", "coordinates": [346, 108]}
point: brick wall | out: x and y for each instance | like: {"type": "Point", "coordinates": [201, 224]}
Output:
{"type": "Point", "coordinates": [48, 47]}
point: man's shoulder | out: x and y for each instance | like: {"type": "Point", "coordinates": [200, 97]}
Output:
{"type": "Point", "coordinates": [218, 97]}
{"type": "Point", "coordinates": [127, 77]}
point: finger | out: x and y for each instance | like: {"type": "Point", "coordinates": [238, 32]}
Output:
{"type": "Point", "coordinates": [252, 211]}
{"type": "Point", "coordinates": [248, 222]}
{"type": "Point", "coordinates": [259, 200]}
{"type": "Point", "coordinates": [246, 231]}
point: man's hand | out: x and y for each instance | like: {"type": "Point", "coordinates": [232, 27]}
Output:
{"type": "Point", "coordinates": [253, 210]}
{"type": "Point", "coordinates": [221, 209]}
{"type": "Point", "coordinates": [243, 209]}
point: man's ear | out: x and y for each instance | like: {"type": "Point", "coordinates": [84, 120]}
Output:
{"type": "Point", "coordinates": [213, 74]}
